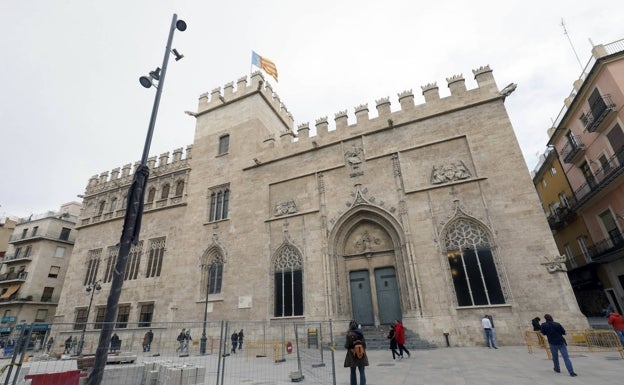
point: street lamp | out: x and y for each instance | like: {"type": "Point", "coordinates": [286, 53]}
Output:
{"type": "Point", "coordinates": [202, 343]}
{"type": "Point", "coordinates": [91, 289]}
{"type": "Point", "coordinates": [134, 212]}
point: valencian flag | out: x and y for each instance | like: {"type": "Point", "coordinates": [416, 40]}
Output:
{"type": "Point", "coordinates": [265, 64]}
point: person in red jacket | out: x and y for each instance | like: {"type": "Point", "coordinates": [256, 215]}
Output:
{"type": "Point", "coordinates": [617, 321]}
{"type": "Point", "coordinates": [399, 334]}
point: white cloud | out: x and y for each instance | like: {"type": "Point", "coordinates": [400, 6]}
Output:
{"type": "Point", "coordinates": [71, 105]}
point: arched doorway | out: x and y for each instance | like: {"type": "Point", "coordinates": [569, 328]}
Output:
{"type": "Point", "coordinates": [367, 256]}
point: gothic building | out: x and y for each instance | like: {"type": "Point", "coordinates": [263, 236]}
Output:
{"type": "Point", "coordinates": [425, 213]}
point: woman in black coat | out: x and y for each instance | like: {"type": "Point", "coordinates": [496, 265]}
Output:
{"type": "Point", "coordinates": [351, 361]}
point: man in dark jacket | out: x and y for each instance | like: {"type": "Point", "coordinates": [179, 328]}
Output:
{"type": "Point", "coordinates": [555, 332]}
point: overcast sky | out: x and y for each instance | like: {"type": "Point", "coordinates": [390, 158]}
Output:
{"type": "Point", "coordinates": [71, 105]}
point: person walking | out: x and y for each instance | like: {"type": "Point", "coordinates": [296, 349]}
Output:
{"type": "Point", "coordinates": [240, 339]}
{"type": "Point", "coordinates": [181, 338]}
{"type": "Point", "coordinates": [68, 343]}
{"type": "Point", "coordinates": [234, 338]}
{"type": "Point", "coordinates": [554, 332]}
{"type": "Point", "coordinates": [393, 342]}
{"type": "Point", "coordinates": [487, 328]}
{"type": "Point", "coordinates": [49, 344]}
{"type": "Point", "coordinates": [147, 340]}
{"type": "Point", "coordinates": [399, 334]}
{"type": "Point", "coordinates": [617, 322]}
{"type": "Point", "coordinates": [187, 340]}
{"type": "Point", "coordinates": [355, 336]}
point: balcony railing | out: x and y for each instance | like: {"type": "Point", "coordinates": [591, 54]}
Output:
{"type": "Point", "coordinates": [608, 249]}
{"type": "Point", "coordinates": [56, 235]}
{"type": "Point", "coordinates": [20, 276]}
{"type": "Point", "coordinates": [13, 257]}
{"type": "Point", "coordinates": [562, 214]}
{"type": "Point", "coordinates": [572, 149]}
{"type": "Point", "coordinates": [613, 168]}
{"type": "Point", "coordinates": [598, 113]}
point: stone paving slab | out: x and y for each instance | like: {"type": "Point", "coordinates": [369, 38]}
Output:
{"type": "Point", "coordinates": [511, 365]}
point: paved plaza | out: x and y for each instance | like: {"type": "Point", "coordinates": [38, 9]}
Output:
{"type": "Point", "coordinates": [511, 365]}
{"type": "Point", "coordinates": [482, 366]}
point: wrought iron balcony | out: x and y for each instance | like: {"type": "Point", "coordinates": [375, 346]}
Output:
{"type": "Point", "coordinates": [562, 215]}
{"type": "Point", "coordinates": [573, 149]}
{"type": "Point", "coordinates": [599, 112]}
{"type": "Point", "coordinates": [611, 170]}
{"type": "Point", "coordinates": [608, 250]}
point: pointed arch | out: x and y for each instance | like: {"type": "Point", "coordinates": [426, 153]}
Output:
{"type": "Point", "coordinates": [473, 269]}
{"type": "Point", "coordinates": [392, 251]}
{"type": "Point", "coordinates": [212, 270]}
{"type": "Point", "coordinates": [287, 269]}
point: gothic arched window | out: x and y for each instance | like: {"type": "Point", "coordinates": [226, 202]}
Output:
{"type": "Point", "coordinates": [151, 194]}
{"type": "Point", "coordinates": [288, 280]}
{"type": "Point", "coordinates": [472, 265]}
{"type": "Point", "coordinates": [165, 192]}
{"type": "Point", "coordinates": [212, 272]}
{"type": "Point", "coordinates": [179, 188]}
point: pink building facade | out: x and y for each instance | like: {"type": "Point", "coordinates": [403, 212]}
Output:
{"type": "Point", "coordinates": [589, 139]}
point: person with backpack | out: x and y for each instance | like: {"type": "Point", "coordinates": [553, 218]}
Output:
{"type": "Point", "coordinates": [356, 357]}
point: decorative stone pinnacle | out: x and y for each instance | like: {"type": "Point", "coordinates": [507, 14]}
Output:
{"type": "Point", "coordinates": [455, 78]}
{"type": "Point", "coordinates": [361, 107]}
{"type": "Point", "coordinates": [429, 86]}
{"type": "Point", "coordinates": [482, 69]}
{"type": "Point", "coordinates": [381, 101]}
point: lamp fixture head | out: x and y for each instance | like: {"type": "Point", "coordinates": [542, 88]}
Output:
{"type": "Point", "coordinates": [177, 55]}
{"type": "Point", "coordinates": [145, 81]}
{"type": "Point", "coordinates": [155, 74]}
{"type": "Point", "coordinates": [181, 25]}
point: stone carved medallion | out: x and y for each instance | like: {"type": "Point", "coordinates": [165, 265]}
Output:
{"type": "Point", "coordinates": [354, 158]}
{"type": "Point", "coordinates": [449, 172]}
{"type": "Point", "coordinates": [284, 208]}
{"type": "Point", "coordinates": [363, 244]}
{"type": "Point", "coordinates": [556, 264]}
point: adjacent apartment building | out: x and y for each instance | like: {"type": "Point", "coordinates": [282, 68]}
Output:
{"type": "Point", "coordinates": [33, 269]}
{"type": "Point", "coordinates": [588, 217]}
{"type": "Point", "coordinates": [423, 212]}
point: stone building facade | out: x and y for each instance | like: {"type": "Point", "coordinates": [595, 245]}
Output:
{"type": "Point", "coordinates": [426, 213]}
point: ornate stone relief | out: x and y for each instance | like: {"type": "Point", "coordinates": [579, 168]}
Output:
{"type": "Point", "coordinates": [284, 208]}
{"type": "Point", "coordinates": [557, 263]}
{"type": "Point", "coordinates": [449, 172]}
{"type": "Point", "coordinates": [363, 244]}
{"type": "Point", "coordinates": [354, 158]}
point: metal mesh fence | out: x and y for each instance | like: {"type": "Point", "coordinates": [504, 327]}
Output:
{"type": "Point", "coordinates": [180, 353]}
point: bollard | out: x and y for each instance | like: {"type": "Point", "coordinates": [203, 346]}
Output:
{"type": "Point", "coordinates": [446, 336]}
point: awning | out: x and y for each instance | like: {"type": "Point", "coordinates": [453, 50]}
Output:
{"type": "Point", "coordinates": [10, 291]}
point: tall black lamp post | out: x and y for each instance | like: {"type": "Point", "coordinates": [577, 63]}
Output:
{"type": "Point", "coordinates": [202, 341]}
{"type": "Point", "coordinates": [134, 210]}
{"type": "Point", "coordinates": [91, 289]}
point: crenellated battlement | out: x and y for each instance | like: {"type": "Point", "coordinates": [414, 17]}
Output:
{"type": "Point", "coordinates": [407, 110]}
{"type": "Point", "coordinates": [305, 136]}
{"type": "Point", "coordinates": [216, 98]}
{"type": "Point", "coordinates": [120, 176]}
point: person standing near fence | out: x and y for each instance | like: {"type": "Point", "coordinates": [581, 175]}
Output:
{"type": "Point", "coordinates": [617, 322]}
{"type": "Point", "coordinates": [68, 343]}
{"type": "Point", "coordinates": [555, 332]}
{"type": "Point", "coordinates": [234, 338]}
{"type": "Point", "coordinates": [180, 339]}
{"type": "Point", "coordinates": [49, 344]}
{"type": "Point", "coordinates": [240, 339]}
{"type": "Point", "coordinates": [355, 336]}
{"type": "Point", "coordinates": [147, 340]}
